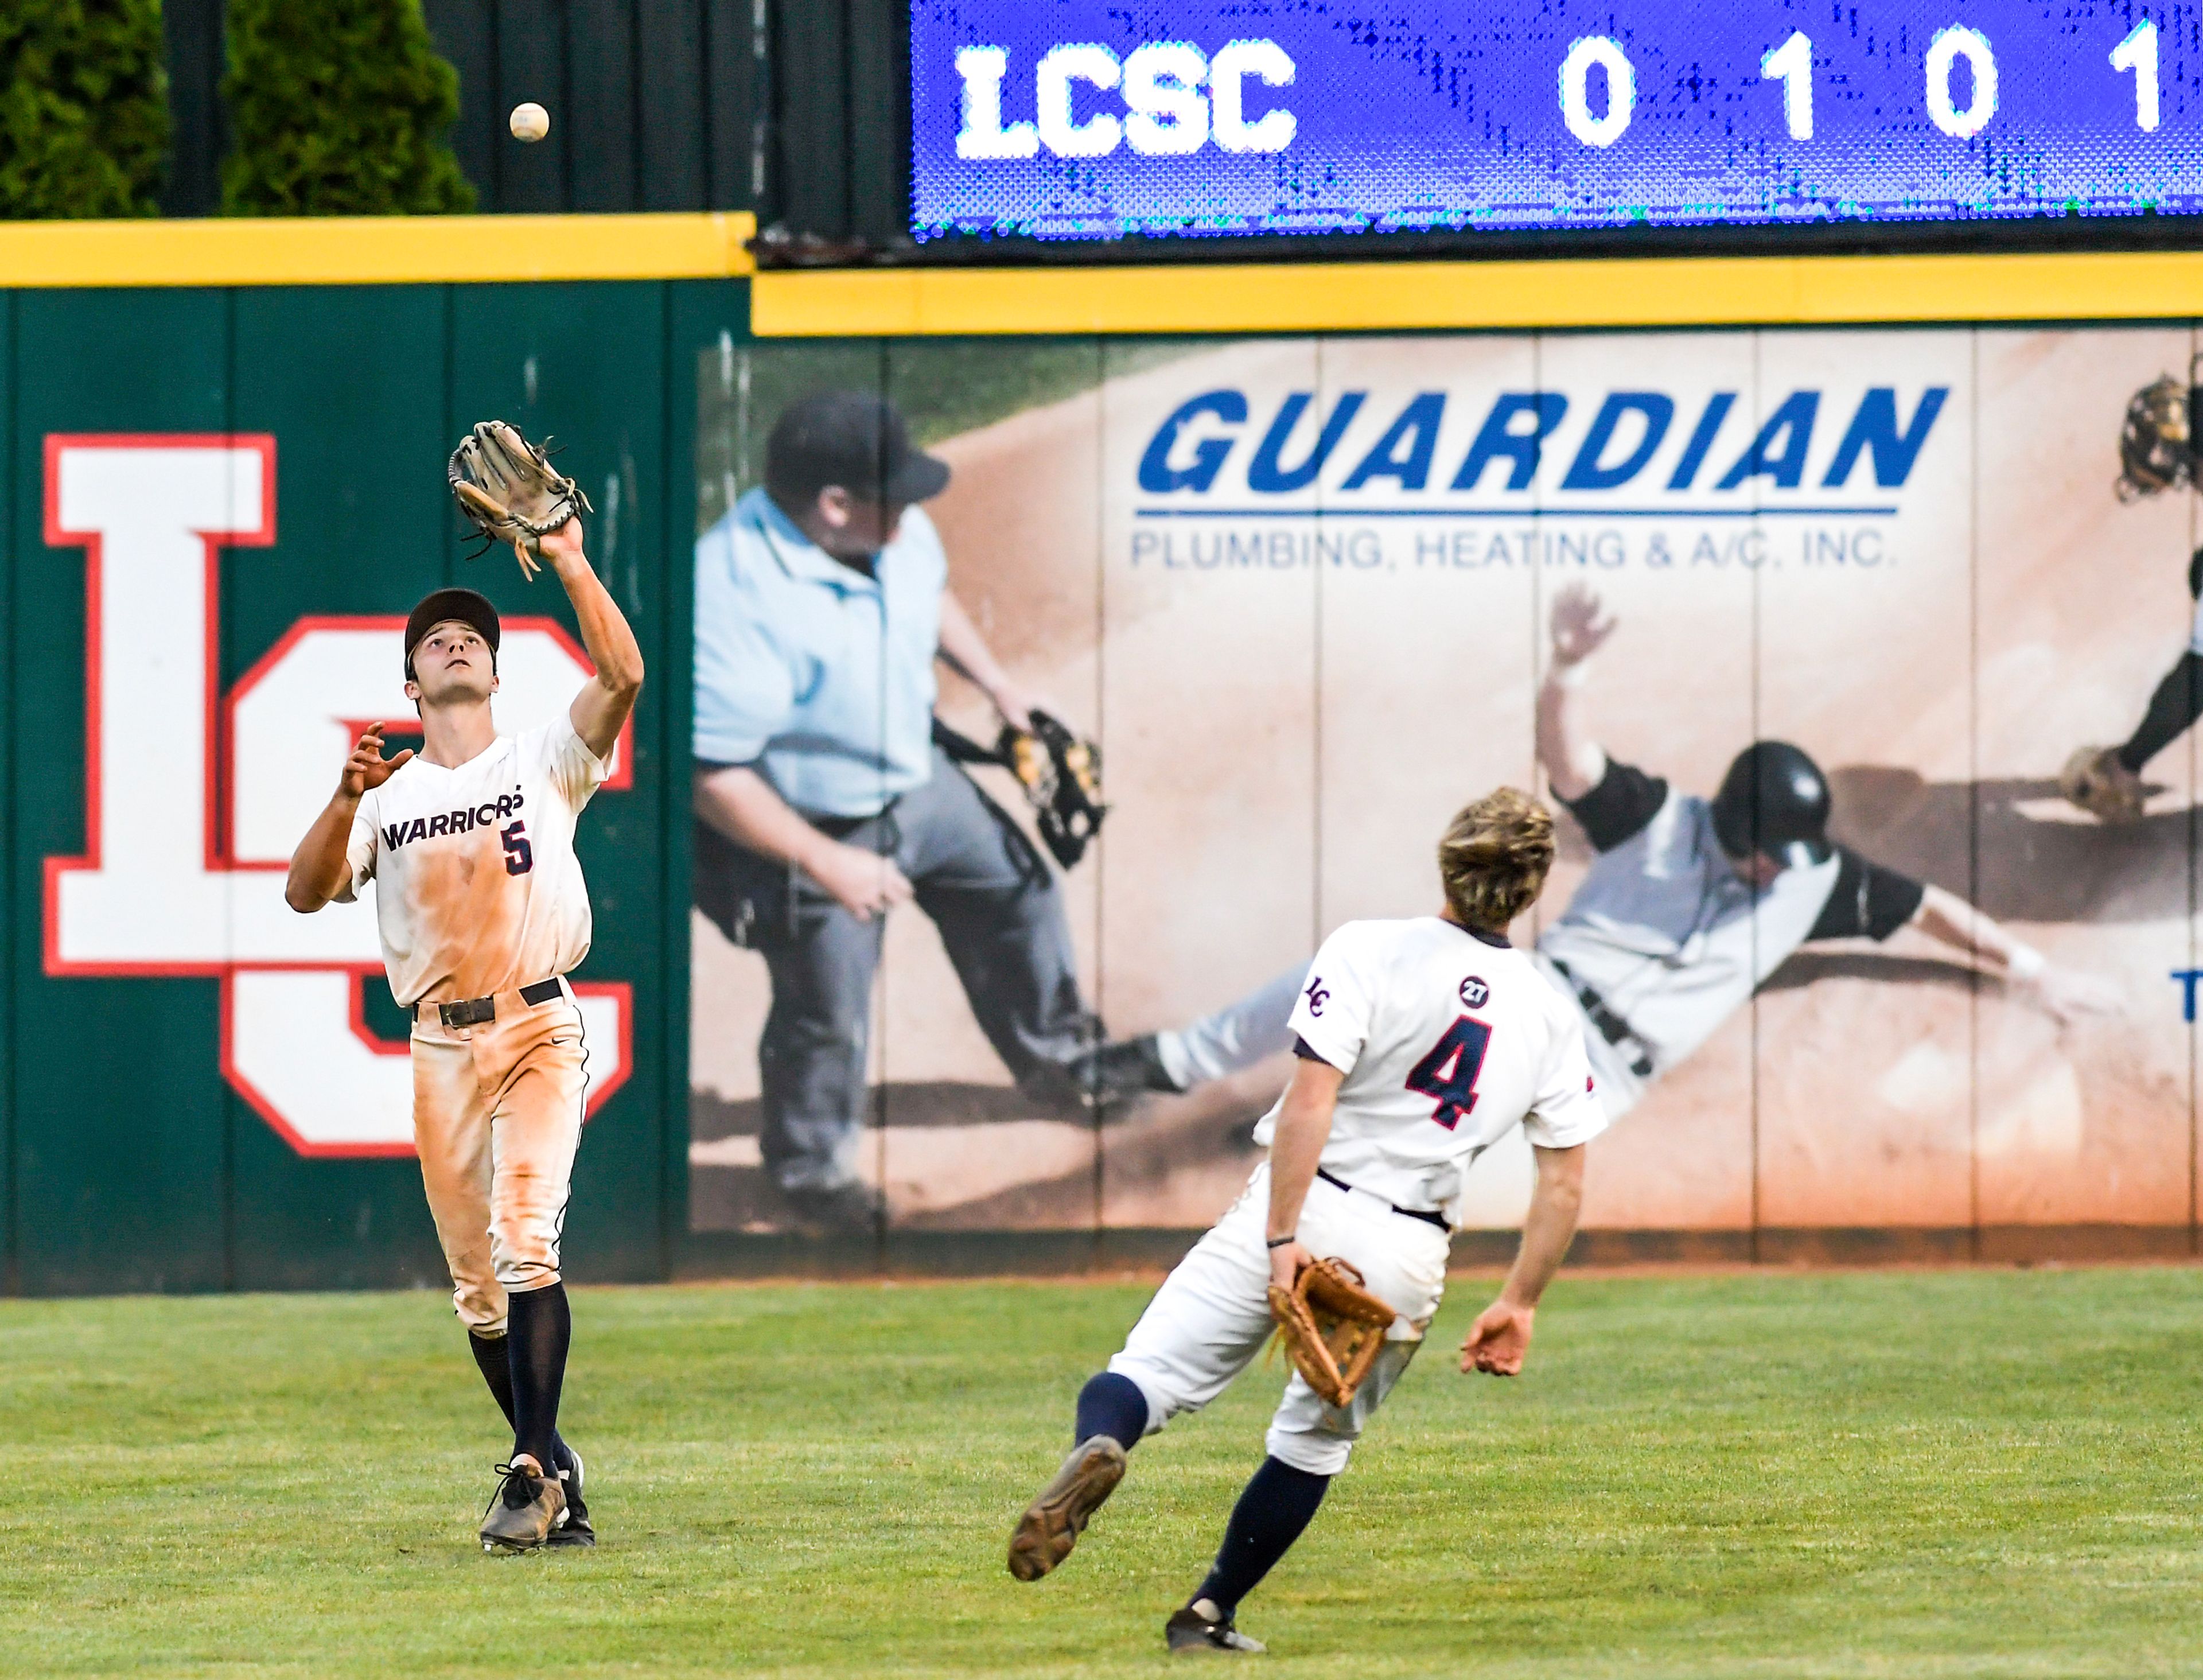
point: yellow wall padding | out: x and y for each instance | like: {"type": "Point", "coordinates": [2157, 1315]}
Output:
{"type": "Point", "coordinates": [378, 250]}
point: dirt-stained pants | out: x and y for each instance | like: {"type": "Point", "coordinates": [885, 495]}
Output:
{"type": "Point", "coordinates": [497, 1116]}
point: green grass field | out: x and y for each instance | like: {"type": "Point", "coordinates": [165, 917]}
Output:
{"type": "Point", "coordinates": [1989, 1473]}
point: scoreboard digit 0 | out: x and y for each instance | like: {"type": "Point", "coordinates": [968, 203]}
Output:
{"type": "Point", "coordinates": [1094, 119]}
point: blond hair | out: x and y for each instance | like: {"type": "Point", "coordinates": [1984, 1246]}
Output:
{"type": "Point", "coordinates": [1493, 858]}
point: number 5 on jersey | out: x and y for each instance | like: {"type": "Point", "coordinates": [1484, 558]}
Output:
{"type": "Point", "coordinates": [519, 856]}
{"type": "Point", "coordinates": [1448, 1074]}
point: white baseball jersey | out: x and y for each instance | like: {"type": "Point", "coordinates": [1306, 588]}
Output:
{"type": "Point", "coordinates": [1448, 1040]}
{"type": "Point", "coordinates": [477, 888]}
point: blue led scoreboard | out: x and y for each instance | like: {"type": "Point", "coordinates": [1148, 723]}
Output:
{"type": "Point", "coordinates": [1098, 119]}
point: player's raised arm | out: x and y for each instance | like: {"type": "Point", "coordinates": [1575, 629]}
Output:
{"type": "Point", "coordinates": [322, 862]}
{"type": "Point", "coordinates": [1500, 1338]}
{"type": "Point", "coordinates": [1572, 764]}
{"type": "Point", "coordinates": [601, 709]}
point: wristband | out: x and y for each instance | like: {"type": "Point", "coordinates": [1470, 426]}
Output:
{"type": "Point", "coordinates": [2025, 962]}
{"type": "Point", "coordinates": [1571, 676]}
{"type": "Point", "coordinates": [1276, 1243]}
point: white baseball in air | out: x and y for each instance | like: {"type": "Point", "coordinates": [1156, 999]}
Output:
{"type": "Point", "coordinates": [530, 122]}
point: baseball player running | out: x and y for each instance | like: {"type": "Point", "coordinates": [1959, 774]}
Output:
{"type": "Point", "coordinates": [1691, 904]}
{"type": "Point", "coordinates": [482, 911]}
{"type": "Point", "coordinates": [1421, 1043]}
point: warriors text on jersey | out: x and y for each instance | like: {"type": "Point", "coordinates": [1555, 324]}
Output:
{"type": "Point", "coordinates": [477, 888]}
{"type": "Point", "coordinates": [1447, 1039]}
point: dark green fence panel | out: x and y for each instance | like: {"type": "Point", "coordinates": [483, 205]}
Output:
{"type": "Point", "coordinates": [128, 1159]}
{"type": "Point", "coordinates": [531, 53]}
{"type": "Point", "coordinates": [878, 132]}
{"type": "Point", "coordinates": [671, 54]}
{"type": "Point", "coordinates": [586, 365]}
{"type": "Point", "coordinates": [810, 153]}
{"type": "Point", "coordinates": [8, 925]}
{"type": "Point", "coordinates": [122, 1146]}
{"type": "Point", "coordinates": [601, 170]}
{"type": "Point", "coordinates": [362, 526]}
{"type": "Point", "coordinates": [197, 118]}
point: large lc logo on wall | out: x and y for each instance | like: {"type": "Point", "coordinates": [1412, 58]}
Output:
{"type": "Point", "coordinates": [184, 866]}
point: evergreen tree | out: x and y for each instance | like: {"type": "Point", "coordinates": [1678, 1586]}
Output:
{"type": "Point", "coordinates": [83, 108]}
{"type": "Point", "coordinates": [338, 107]}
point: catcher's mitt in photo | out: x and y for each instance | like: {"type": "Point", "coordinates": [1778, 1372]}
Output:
{"type": "Point", "coordinates": [1333, 1328]}
{"type": "Point", "coordinates": [1060, 773]}
{"type": "Point", "coordinates": [509, 491]}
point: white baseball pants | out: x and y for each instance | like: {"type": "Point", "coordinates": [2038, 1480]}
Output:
{"type": "Point", "coordinates": [496, 1118]}
{"type": "Point", "coordinates": [1212, 1315]}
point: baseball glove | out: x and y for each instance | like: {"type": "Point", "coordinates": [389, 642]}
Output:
{"type": "Point", "coordinates": [511, 493]}
{"type": "Point", "coordinates": [2095, 779]}
{"type": "Point", "coordinates": [2156, 440]}
{"type": "Point", "coordinates": [1333, 1328]}
{"type": "Point", "coordinates": [1060, 773]}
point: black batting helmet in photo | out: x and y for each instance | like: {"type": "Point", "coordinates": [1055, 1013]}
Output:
{"type": "Point", "coordinates": [1775, 801]}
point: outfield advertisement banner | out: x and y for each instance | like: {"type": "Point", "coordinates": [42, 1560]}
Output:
{"type": "Point", "coordinates": [1301, 596]}
{"type": "Point", "coordinates": [1299, 591]}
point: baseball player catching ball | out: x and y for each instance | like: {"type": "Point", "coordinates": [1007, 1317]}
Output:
{"type": "Point", "coordinates": [482, 911]}
{"type": "Point", "coordinates": [1421, 1044]}
{"type": "Point", "coordinates": [1691, 904]}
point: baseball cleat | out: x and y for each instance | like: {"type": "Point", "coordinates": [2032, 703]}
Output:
{"type": "Point", "coordinates": [1117, 1072]}
{"type": "Point", "coordinates": [2096, 780]}
{"type": "Point", "coordinates": [1201, 1626]}
{"type": "Point", "coordinates": [574, 1528]}
{"type": "Point", "coordinates": [1058, 1514]}
{"type": "Point", "coordinates": [525, 1509]}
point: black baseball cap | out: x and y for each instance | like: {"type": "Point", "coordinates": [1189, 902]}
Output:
{"type": "Point", "coordinates": [444, 606]}
{"type": "Point", "coordinates": [853, 439]}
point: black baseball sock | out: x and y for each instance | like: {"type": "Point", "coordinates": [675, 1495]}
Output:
{"type": "Point", "coordinates": [1112, 1406]}
{"type": "Point", "coordinates": [540, 1325]}
{"type": "Point", "coordinates": [496, 1363]}
{"type": "Point", "coordinates": [2177, 703]}
{"type": "Point", "coordinates": [1277, 1504]}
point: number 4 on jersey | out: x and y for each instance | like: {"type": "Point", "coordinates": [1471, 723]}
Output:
{"type": "Point", "coordinates": [1448, 1074]}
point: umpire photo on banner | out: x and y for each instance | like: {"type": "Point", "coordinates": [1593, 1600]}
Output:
{"type": "Point", "coordinates": [823, 801]}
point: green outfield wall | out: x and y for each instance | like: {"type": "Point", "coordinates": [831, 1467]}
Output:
{"type": "Point", "coordinates": [146, 1145]}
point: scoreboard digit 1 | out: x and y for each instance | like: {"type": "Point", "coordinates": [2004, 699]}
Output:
{"type": "Point", "coordinates": [1085, 119]}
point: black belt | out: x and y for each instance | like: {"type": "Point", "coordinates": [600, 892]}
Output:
{"type": "Point", "coordinates": [840, 828]}
{"type": "Point", "coordinates": [1611, 1027]}
{"type": "Point", "coordinates": [1423, 1214]}
{"type": "Point", "coordinates": [481, 1011]}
